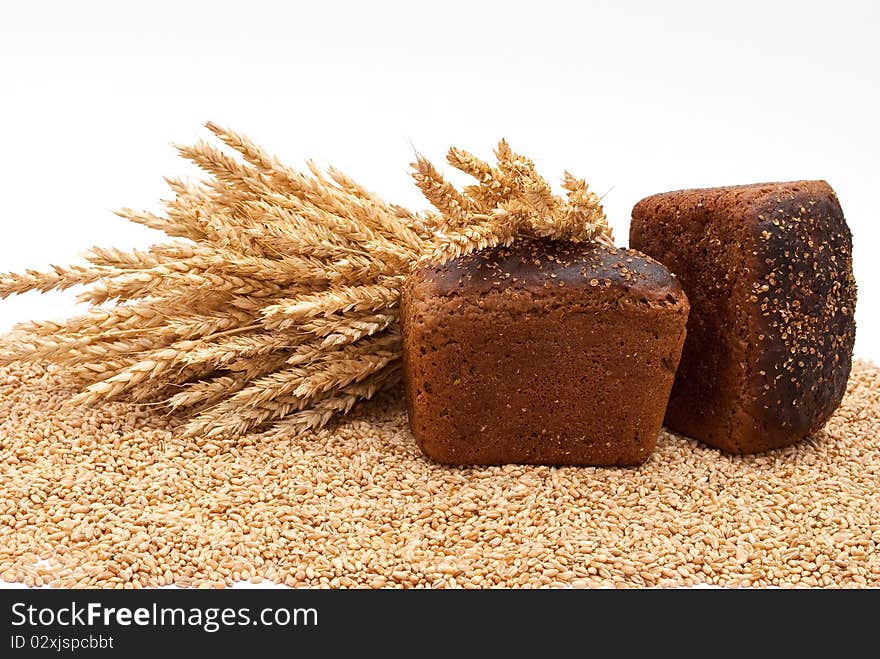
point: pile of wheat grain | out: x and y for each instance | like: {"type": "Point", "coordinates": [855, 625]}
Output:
{"type": "Point", "coordinates": [114, 497]}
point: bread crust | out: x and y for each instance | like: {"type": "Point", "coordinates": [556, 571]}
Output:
{"type": "Point", "coordinates": [768, 270]}
{"type": "Point", "coordinates": [541, 353]}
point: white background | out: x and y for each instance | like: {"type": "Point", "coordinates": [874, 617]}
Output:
{"type": "Point", "coordinates": [636, 97]}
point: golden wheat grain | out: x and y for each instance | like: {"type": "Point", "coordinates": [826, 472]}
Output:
{"type": "Point", "coordinates": [369, 297]}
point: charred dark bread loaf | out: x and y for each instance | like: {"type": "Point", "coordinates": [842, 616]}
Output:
{"type": "Point", "coordinates": [541, 353]}
{"type": "Point", "coordinates": [768, 272]}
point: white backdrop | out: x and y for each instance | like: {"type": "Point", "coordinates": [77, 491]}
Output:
{"type": "Point", "coordinates": [637, 97]}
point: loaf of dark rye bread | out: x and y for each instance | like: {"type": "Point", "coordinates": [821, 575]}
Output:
{"type": "Point", "coordinates": [543, 353]}
{"type": "Point", "coordinates": [768, 272]}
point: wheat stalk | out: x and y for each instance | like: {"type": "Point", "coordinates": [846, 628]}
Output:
{"type": "Point", "coordinates": [275, 301]}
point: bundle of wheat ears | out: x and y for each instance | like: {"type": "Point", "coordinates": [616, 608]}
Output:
{"type": "Point", "coordinates": [275, 307]}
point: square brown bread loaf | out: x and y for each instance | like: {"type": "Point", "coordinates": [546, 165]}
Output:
{"type": "Point", "coordinates": [541, 353]}
{"type": "Point", "coordinates": [768, 272]}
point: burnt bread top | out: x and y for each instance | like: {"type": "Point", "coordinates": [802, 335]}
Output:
{"type": "Point", "coordinates": [803, 302]}
{"type": "Point", "coordinates": [544, 267]}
